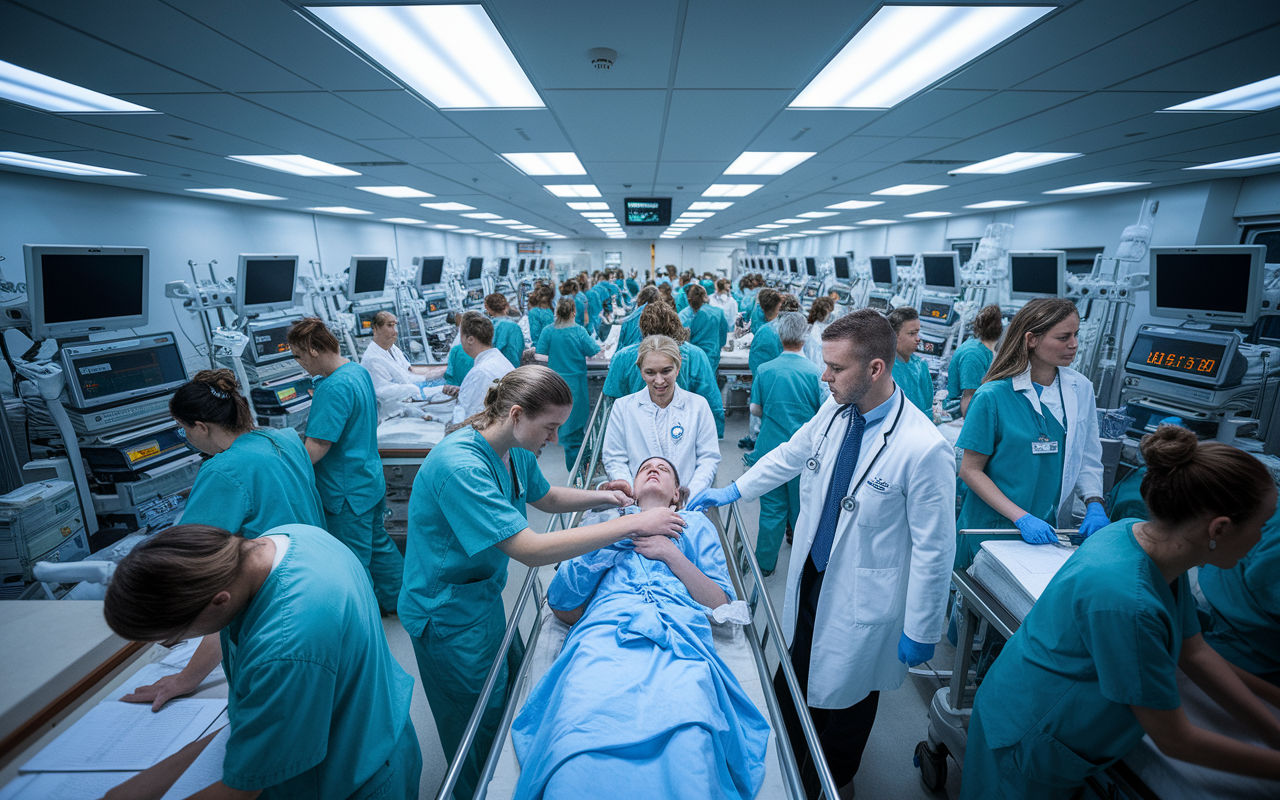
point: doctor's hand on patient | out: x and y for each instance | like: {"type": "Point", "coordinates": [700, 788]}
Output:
{"type": "Point", "coordinates": [1095, 519]}
{"type": "Point", "coordinates": [612, 498]}
{"type": "Point", "coordinates": [714, 498]}
{"type": "Point", "coordinates": [656, 522]}
{"type": "Point", "coordinates": [1035, 530]}
{"type": "Point", "coordinates": [911, 652]}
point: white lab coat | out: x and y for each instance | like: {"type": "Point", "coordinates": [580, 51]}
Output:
{"type": "Point", "coordinates": [392, 378]}
{"type": "Point", "coordinates": [891, 559]}
{"type": "Point", "coordinates": [727, 304]}
{"type": "Point", "coordinates": [638, 430]}
{"type": "Point", "coordinates": [489, 367]}
{"type": "Point", "coordinates": [1082, 466]}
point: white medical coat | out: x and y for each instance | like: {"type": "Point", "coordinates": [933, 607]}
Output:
{"type": "Point", "coordinates": [891, 559]}
{"type": "Point", "coordinates": [392, 378]}
{"type": "Point", "coordinates": [489, 367]}
{"type": "Point", "coordinates": [1082, 466]}
{"type": "Point", "coordinates": [638, 430]}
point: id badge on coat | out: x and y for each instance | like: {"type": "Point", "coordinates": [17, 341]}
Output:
{"type": "Point", "coordinates": [1044, 448]}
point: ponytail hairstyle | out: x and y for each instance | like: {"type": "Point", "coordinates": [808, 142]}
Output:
{"type": "Point", "coordinates": [569, 287]}
{"type": "Point", "coordinates": [541, 296]}
{"type": "Point", "coordinates": [661, 319]}
{"type": "Point", "coordinates": [696, 294]}
{"type": "Point", "coordinates": [566, 310]}
{"type": "Point", "coordinates": [821, 309]}
{"type": "Point", "coordinates": [647, 295]}
{"type": "Point", "coordinates": [212, 397]}
{"type": "Point", "coordinates": [311, 335]}
{"type": "Point", "coordinates": [723, 285]}
{"type": "Point", "coordinates": [1037, 317]}
{"type": "Point", "coordinates": [1187, 479]}
{"type": "Point", "coordinates": [988, 323]}
{"type": "Point", "coordinates": [534, 388]}
{"type": "Point", "coordinates": [664, 294]}
{"type": "Point", "coordinates": [768, 300]}
{"type": "Point", "coordinates": [496, 304]}
{"type": "Point", "coordinates": [788, 302]}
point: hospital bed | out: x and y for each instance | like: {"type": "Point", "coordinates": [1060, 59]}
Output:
{"type": "Point", "coordinates": [743, 649]}
{"type": "Point", "coordinates": [997, 592]}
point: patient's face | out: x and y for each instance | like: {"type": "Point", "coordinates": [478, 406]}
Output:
{"type": "Point", "coordinates": [655, 484]}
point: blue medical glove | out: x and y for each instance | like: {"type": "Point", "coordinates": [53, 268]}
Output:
{"type": "Point", "coordinates": [1095, 519]}
{"type": "Point", "coordinates": [713, 498]}
{"type": "Point", "coordinates": [911, 652]}
{"type": "Point", "coordinates": [1035, 530]}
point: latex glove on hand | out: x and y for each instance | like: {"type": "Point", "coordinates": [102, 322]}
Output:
{"type": "Point", "coordinates": [713, 498]}
{"type": "Point", "coordinates": [1095, 519]}
{"type": "Point", "coordinates": [911, 652]}
{"type": "Point", "coordinates": [1035, 530]}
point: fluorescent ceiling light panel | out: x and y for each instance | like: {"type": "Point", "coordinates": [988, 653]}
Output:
{"type": "Point", "coordinates": [296, 165]}
{"type": "Point", "coordinates": [818, 214]}
{"type": "Point", "coordinates": [339, 210]}
{"type": "Point", "coordinates": [573, 190]}
{"type": "Point", "coordinates": [405, 220]}
{"type": "Point", "coordinates": [731, 189]}
{"type": "Point", "coordinates": [444, 227]}
{"type": "Point", "coordinates": [452, 55]}
{"type": "Point", "coordinates": [753, 230]}
{"type": "Point", "coordinates": [501, 221]}
{"type": "Point", "coordinates": [761, 163]}
{"type": "Point", "coordinates": [908, 189]}
{"type": "Point", "coordinates": [238, 194]}
{"type": "Point", "coordinates": [1101, 186]}
{"type": "Point", "coordinates": [448, 206]}
{"type": "Point", "coordinates": [813, 232]}
{"type": "Point", "coordinates": [54, 165]}
{"type": "Point", "coordinates": [546, 163]}
{"type": "Point", "coordinates": [852, 204]}
{"type": "Point", "coordinates": [1252, 162]}
{"type": "Point", "coordinates": [1258, 96]}
{"type": "Point", "coordinates": [523, 228]}
{"type": "Point", "coordinates": [998, 204]}
{"type": "Point", "coordinates": [50, 94]}
{"type": "Point", "coordinates": [770, 226]}
{"type": "Point", "coordinates": [395, 191]}
{"type": "Point", "coordinates": [703, 205]}
{"type": "Point", "coordinates": [699, 214]}
{"type": "Point", "coordinates": [877, 222]}
{"type": "Point", "coordinates": [928, 214]}
{"type": "Point", "coordinates": [838, 228]}
{"type": "Point", "coordinates": [1013, 162]}
{"type": "Point", "coordinates": [481, 215]}
{"type": "Point", "coordinates": [589, 206]}
{"type": "Point", "coordinates": [904, 49]}
{"type": "Point", "coordinates": [790, 221]}
{"type": "Point", "coordinates": [466, 230]}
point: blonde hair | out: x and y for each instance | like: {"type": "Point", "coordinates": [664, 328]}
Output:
{"type": "Point", "coordinates": [534, 388]}
{"type": "Point", "coordinates": [662, 345]}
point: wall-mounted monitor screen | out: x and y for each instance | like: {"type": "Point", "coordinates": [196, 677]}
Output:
{"type": "Point", "coordinates": [367, 277]}
{"type": "Point", "coordinates": [504, 266]}
{"type": "Point", "coordinates": [542, 264]}
{"type": "Point", "coordinates": [265, 282]}
{"type": "Point", "coordinates": [475, 268]}
{"type": "Point", "coordinates": [520, 267]}
{"type": "Point", "coordinates": [884, 272]}
{"type": "Point", "coordinates": [941, 272]}
{"type": "Point", "coordinates": [794, 263]}
{"type": "Point", "coordinates": [75, 291]}
{"type": "Point", "coordinates": [432, 270]}
{"type": "Point", "coordinates": [811, 267]}
{"type": "Point", "coordinates": [1221, 285]}
{"type": "Point", "coordinates": [841, 264]}
{"type": "Point", "coordinates": [1037, 273]}
{"type": "Point", "coordinates": [648, 210]}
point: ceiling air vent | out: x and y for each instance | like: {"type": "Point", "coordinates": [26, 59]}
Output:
{"type": "Point", "coordinates": [376, 163]}
{"type": "Point", "coordinates": [932, 161]}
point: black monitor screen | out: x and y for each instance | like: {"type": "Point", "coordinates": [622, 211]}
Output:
{"type": "Point", "coordinates": [79, 286]}
{"type": "Point", "coordinates": [108, 374]}
{"type": "Point", "coordinates": [520, 267]}
{"type": "Point", "coordinates": [842, 268]}
{"type": "Point", "coordinates": [273, 341]}
{"type": "Point", "coordinates": [1203, 281]}
{"type": "Point", "coordinates": [811, 267]}
{"type": "Point", "coordinates": [939, 271]}
{"type": "Point", "coordinates": [371, 275]}
{"type": "Point", "coordinates": [648, 210]}
{"type": "Point", "coordinates": [504, 265]}
{"type": "Point", "coordinates": [882, 269]}
{"type": "Point", "coordinates": [269, 281]}
{"type": "Point", "coordinates": [432, 269]}
{"type": "Point", "coordinates": [475, 266]}
{"type": "Point", "coordinates": [795, 265]}
{"type": "Point", "coordinates": [1034, 274]}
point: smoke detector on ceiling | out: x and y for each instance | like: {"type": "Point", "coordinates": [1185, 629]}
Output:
{"type": "Point", "coordinates": [603, 57]}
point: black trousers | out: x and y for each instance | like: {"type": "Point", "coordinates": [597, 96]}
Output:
{"type": "Point", "coordinates": [843, 732]}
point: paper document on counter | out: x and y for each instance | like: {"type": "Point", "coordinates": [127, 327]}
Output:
{"type": "Point", "coordinates": [206, 770]}
{"type": "Point", "coordinates": [63, 785]}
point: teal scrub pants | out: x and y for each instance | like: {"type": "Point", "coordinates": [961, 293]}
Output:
{"type": "Point", "coordinates": [778, 508]}
{"type": "Point", "coordinates": [1002, 773]}
{"type": "Point", "coordinates": [572, 443]}
{"type": "Point", "coordinates": [366, 535]}
{"type": "Point", "coordinates": [399, 778]}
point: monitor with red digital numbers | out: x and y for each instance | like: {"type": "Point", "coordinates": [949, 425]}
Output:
{"type": "Point", "coordinates": [1184, 356]}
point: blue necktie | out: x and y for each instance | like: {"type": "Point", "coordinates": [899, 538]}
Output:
{"type": "Point", "coordinates": [840, 478]}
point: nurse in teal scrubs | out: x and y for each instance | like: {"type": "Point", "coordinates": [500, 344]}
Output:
{"type": "Point", "coordinates": [258, 478]}
{"type": "Point", "coordinates": [708, 328]}
{"type": "Point", "coordinates": [1244, 604]}
{"type": "Point", "coordinates": [971, 360]}
{"type": "Point", "coordinates": [1093, 666]}
{"type": "Point", "coordinates": [318, 706]}
{"type": "Point", "coordinates": [567, 346]}
{"type": "Point", "coordinates": [910, 371]}
{"type": "Point", "coordinates": [507, 336]}
{"type": "Point", "coordinates": [630, 333]}
{"type": "Point", "coordinates": [342, 440]}
{"type": "Point", "coordinates": [540, 314]}
{"type": "Point", "coordinates": [766, 308]}
{"type": "Point", "coordinates": [459, 364]}
{"type": "Point", "coordinates": [467, 518]}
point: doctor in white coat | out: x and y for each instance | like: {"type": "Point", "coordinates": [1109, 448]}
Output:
{"type": "Point", "coordinates": [869, 571]}
{"type": "Point", "coordinates": [393, 377]}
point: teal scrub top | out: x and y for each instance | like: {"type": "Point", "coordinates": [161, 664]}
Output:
{"type": "Point", "coordinates": [708, 331]}
{"type": "Point", "coordinates": [539, 318]}
{"type": "Point", "coordinates": [595, 305]}
{"type": "Point", "coordinates": [765, 347]}
{"type": "Point", "coordinates": [789, 392]}
{"type": "Point", "coordinates": [710, 286]}
{"type": "Point", "coordinates": [1244, 604]}
{"type": "Point", "coordinates": [633, 286]}
{"type": "Point", "coordinates": [264, 479]}
{"type": "Point", "coordinates": [567, 350]}
{"type": "Point", "coordinates": [695, 376]}
{"type": "Point", "coordinates": [344, 411]}
{"type": "Point", "coordinates": [1104, 635]}
{"type": "Point", "coordinates": [916, 383]}
{"type": "Point", "coordinates": [681, 301]}
{"type": "Point", "coordinates": [509, 339]}
{"type": "Point", "coordinates": [464, 501]}
{"type": "Point", "coordinates": [1126, 500]}
{"type": "Point", "coordinates": [582, 316]}
{"type": "Point", "coordinates": [1002, 424]}
{"type": "Point", "coordinates": [968, 366]}
{"type": "Point", "coordinates": [757, 317]}
{"type": "Point", "coordinates": [459, 365]}
{"type": "Point", "coordinates": [630, 332]}
{"type": "Point", "coordinates": [316, 700]}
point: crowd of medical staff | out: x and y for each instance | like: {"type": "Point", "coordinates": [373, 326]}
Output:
{"type": "Point", "coordinates": [284, 567]}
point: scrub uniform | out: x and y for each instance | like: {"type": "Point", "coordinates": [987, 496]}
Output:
{"type": "Point", "coordinates": [1244, 603]}
{"type": "Point", "coordinates": [708, 331]}
{"type": "Point", "coordinates": [633, 287]}
{"type": "Point", "coordinates": [567, 350]}
{"type": "Point", "coordinates": [539, 318]}
{"type": "Point", "coordinates": [1054, 709]}
{"type": "Point", "coordinates": [464, 501]}
{"type": "Point", "coordinates": [758, 320]}
{"type": "Point", "coordinates": [968, 366]}
{"type": "Point", "coordinates": [459, 365]}
{"type": "Point", "coordinates": [765, 346]}
{"type": "Point", "coordinates": [1126, 500]}
{"type": "Point", "coordinates": [1003, 425]}
{"type": "Point", "coordinates": [630, 332]}
{"type": "Point", "coordinates": [509, 339]}
{"type": "Point", "coordinates": [595, 307]}
{"type": "Point", "coordinates": [319, 708]}
{"type": "Point", "coordinates": [695, 376]}
{"type": "Point", "coordinates": [349, 477]}
{"type": "Point", "coordinates": [916, 383]}
{"type": "Point", "coordinates": [582, 316]}
{"type": "Point", "coordinates": [682, 302]}
{"type": "Point", "coordinates": [789, 392]}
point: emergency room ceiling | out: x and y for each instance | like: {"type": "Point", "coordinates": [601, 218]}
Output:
{"type": "Point", "coordinates": [695, 83]}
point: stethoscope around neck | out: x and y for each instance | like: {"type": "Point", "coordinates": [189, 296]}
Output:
{"type": "Point", "coordinates": [849, 503]}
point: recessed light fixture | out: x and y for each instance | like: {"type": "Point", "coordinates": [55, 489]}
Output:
{"type": "Point", "coordinates": [589, 206]}
{"type": "Point", "coordinates": [1257, 96]}
{"type": "Point", "coordinates": [501, 221]}
{"type": "Point", "coordinates": [466, 230]}
{"type": "Point", "coordinates": [838, 228]}
{"type": "Point", "coordinates": [753, 230]}
{"type": "Point", "coordinates": [1013, 162]}
{"type": "Point", "coordinates": [877, 222]}
{"type": "Point", "coordinates": [405, 221]}
{"type": "Point", "coordinates": [852, 204]}
{"type": "Point", "coordinates": [905, 48]}
{"type": "Point", "coordinates": [598, 214]}
{"type": "Point", "coordinates": [908, 189]}
{"type": "Point", "coordinates": [546, 163]}
{"type": "Point", "coordinates": [401, 192]}
{"type": "Point", "coordinates": [818, 214]}
{"type": "Point", "coordinates": [481, 215]}
{"type": "Point", "coordinates": [339, 210]}
{"type": "Point", "coordinates": [452, 55]}
{"type": "Point", "coordinates": [928, 214]}
{"type": "Point", "coordinates": [523, 228]}
{"type": "Point", "coordinates": [771, 226]}
{"type": "Point", "coordinates": [1101, 186]}
{"type": "Point", "coordinates": [813, 232]}
{"type": "Point", "coordinates": [1252, 162]}
{"type": "Point", "coordinates": [448, 206]}
{"type": "Point", "coordinates": [444, 227]}
{"type": "Point", "coordinates": [296, 165]}
{"type": "Point", "coordinates": [998, 204]}
{"type": "Point", "coordinates": [573, 190]}
{"type": "Point", "coordinates": [30, 88]}
{"type": "Point", "coordinates": [699, 214]}
{"type": "Point", "coordinates": [731, 189]}
{"type": "Point", "coordinates": [65, 167]}
{"type": "Point", "coordinates": [761, 163]}
{"type": "Point", "coordinates": [703, 205]}
{"type": "Point", "coordinates": [238, 194]}
{"type": "Point", "coordinates": [790, 221]}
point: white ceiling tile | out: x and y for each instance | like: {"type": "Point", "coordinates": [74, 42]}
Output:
{"type": "Point", "coordinates": [405, 111]}
{"type": "Point", "coordinates": [611, 175]}
{"type": "Point", "coordinates": [410, 151]}
{"type": "Point", "coordinates": [994, 112]}
{"type": "Point", "coordinates": [852, 148]}
{"type": "Point", "coordinates": [923, 110]}
{"type": "Point", "coordinates": [810, 131]}
{"type": "Point", "coordinates": [623, 125]}
{"type": "Point", "coordinates": [708, 125]}
{"type": "Point", "coordinates": [694, 173]}
{"type": "Point", "coordinates": [1227, 66]}
{"type": "Point", "coordinates": [500, 130]}
{"type": "Point", "coordinates": [466, 150]}
{"type": "Point", "coordinates": [328, 111]}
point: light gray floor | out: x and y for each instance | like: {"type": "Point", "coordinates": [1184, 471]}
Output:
{"type": "Point", "coordinates": [903, 719]}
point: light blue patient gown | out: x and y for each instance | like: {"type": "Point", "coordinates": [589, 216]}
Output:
{"type": "Point", "coordinates": [638, 700]}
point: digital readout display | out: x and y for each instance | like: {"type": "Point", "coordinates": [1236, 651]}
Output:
{"type": "Point", "coordinates": [1203, 359]}
{"type": "Point", "coordinates": [928, 348]}
{"type": "Point", "coordinates": [935, 310]}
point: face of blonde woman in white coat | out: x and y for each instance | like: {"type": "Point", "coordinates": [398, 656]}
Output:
{"type": "Point", "coordinates": [659, 373]}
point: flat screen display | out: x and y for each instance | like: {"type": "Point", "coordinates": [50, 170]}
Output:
{"type": "Point", "coordinates": [475, 268]}
{"type": "Point", "coordinates": [882, 269]}
{"type": "Point", "coordinates": [271, 342]}
{"type": "Point", "coordinates": [104, 375]}
{"type": "Point", "coordinates": [841, 264]}
{"type": "Point", "coordinates": [939, 271]}
{"type": "Point", "coordinates": [371, 275]}
{"type": "Point", "coordinates": [1202, 359]}
{"type": "Point", "coordinates": [520, 266]}
{"type": "Point", "coordinates": [795, 265]}
{"type": "Point", "coordinates": [934, 311]}
{"type": "Point", "coordinates": [504, 265]}
{"type": "Point", "coordinates": [83, 286]}
{"type": "Point", "coordinates": [269, 281]}
{"type": "Point", "coordinates": [1214, 282]}
{"type": "Point", "coordinates": [1033, 275]}
{"type": "Point", "coordinates": [811, 267]}
{"type": "Point", "coordinates": [878, 303]}
{"type": "Point", "coordinates": [432, 270]}
{"type": "Point", "coordinates": [648, 210]}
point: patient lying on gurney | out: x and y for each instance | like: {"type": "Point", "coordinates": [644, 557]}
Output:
{"type": "Point", "coordinates": [639, 704]}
